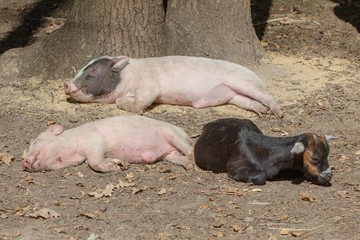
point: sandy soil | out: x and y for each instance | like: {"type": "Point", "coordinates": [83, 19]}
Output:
{"type": "Point", "coordinates": [319, 93]}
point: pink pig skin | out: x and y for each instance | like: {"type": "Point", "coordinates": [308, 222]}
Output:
{"type": "Point", "coordinates": [135, 84]}
{"type": "Point", "coordinates": [104, 143]}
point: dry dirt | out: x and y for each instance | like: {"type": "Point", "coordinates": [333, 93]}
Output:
{"type": "Point", "coordinates": [316, 83]}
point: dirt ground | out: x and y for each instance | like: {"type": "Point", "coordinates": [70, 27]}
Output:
{"type": "Point", "coordinates": [314, 73]}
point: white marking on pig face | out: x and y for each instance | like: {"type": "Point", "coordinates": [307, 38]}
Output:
{"type": "Point", "coordinates": [97, 79]}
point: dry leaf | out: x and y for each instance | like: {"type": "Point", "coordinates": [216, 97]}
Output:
{"type": "Point", "coordinates": [129, 177]}
{"type": "Point", "coordinates": [29, 179]}
{"type": "Point", "coordinates": [45, 213]}
{"type": "Point", "coordinates": [50, 122]}
{"type": "Point", "coordinates": [61, 230]}
{"type": "Point", "coordinates": [307, 197]}
{"type": "Point", "coordinates": [163, 169]}
{"type": "Point", "coordinates": [82, 194]}
{"type": "Point", "coordinates": [343, 194]}
{"type": "Point", "coordinates": [123, 184]}
{"type": "Point", "coordinates": [236, 228]}
{"type": "Point", "coordinates": [263, 43]}
{"type": "Point", "coordinates": [218, 234]}
{"type": "Point", "coordinates": [7, 158]}
{"type": "Point", "coordinates": [291, 232]}
{"type": "Point", "coordinates": [107, 192]}
{"type": "Point", "coordinates": [162, 191]}
{"type": "Point", "coordinates": [138, 190]}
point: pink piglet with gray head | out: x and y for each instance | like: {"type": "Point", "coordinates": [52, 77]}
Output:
{"type": "Point", "coordinates": [106, 142]}
{"type": "Point", "coordinates": [135, 84]}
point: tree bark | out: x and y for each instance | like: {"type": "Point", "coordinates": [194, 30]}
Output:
{"type": "Point", "coordinates": [92, 29]}
{"type": "Point", "coordinates": [139, 28]}
{"type": "Point", "coordinates": [216, 29]}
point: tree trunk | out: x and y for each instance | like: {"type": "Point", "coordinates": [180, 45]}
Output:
{"type": "Point", "coordinates": [216, 29]}
{"type": "Point", "coordinates": [139, 28]}
{"type": "Point", "coordinates": [94, 28]}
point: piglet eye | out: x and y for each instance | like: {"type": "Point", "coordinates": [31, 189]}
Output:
{"type": "Point", "coordinates": [89, 77]}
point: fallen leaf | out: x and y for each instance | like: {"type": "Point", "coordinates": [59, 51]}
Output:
{"type": "Point", "coordinates": [45, 213]}
{"type": "Point", "coordinates": [61, 230]}
{"type": "Point", "coordinates": [82, 194]}
{"type": "Point", "coordinates": [284, 217]}
{"type": "Point", "coordinates": [29, 179]}
{"type": "Point", "coordinates": [172, 177]}
{"type": "Point", "coordinates": [291, 232]}
{"type": "Point", "coordinates": [236, 228]}
{"type": "Point", "coordinates": [343, 194]}
{"type": "Point", "coordinates": [123, 184]}
{"type": "Point", "coordinates": [107, 192]}
{"type": "Point", "coordinates": [50, 122]}
{"type": "Point", "coordinates": [81, 227]}
{"type": "Point", "coordinates": [218, 234]}
{"type": "Point", "coordinates": [161, 191]}
{"type": "Point", "coordinates": [162, 169]}
{"type": "Point", "coordinates": [7, 158]}
{"type": "Point", "coordinates": [307, 197]}
{"type": "Point", "coordinates": [272, 237]}
{"type": "Point", "coordinates": [263, 43]}
{"type": "Point", "coordinates": [138, 190]}
{"type": "Point", "coordinates": [129, 177]}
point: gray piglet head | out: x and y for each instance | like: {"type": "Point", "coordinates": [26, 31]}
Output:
{"type": "Point", "coordinates": [99, 77]}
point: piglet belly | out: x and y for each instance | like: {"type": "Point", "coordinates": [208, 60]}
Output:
{"type": "Point", "coordinates": [197, 96]}
{"type": "Point", "coordinates": [141, 153]}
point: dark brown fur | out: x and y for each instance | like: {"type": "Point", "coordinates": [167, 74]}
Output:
{"type": "Point", "coordinates": [238, 147]}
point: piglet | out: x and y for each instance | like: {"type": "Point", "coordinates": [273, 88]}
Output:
{"type": "Point", "coordinates": [238, 147]}
{"type": "Point", "coordinates": [135, 84]}
{"type": "Point", "coordinates": [104, 143]}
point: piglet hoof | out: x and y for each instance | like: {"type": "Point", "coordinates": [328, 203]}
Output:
{"type": "Point", "coordinates": [189, 167]}
{"type": "Point", "coordinates": [107, 165]}
{"type": "Point", "coordinates": [278, 112]}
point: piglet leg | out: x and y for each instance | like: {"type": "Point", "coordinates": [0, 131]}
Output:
{"type": "Point", "coordinates": [179, 159]}
{"type": "Point", "coordinates": [104, 165]}
{"type": "Point", "coordinates": [249, 104]}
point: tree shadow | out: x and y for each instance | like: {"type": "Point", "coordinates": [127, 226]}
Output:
{"type": "Point", "coordinates": [23, 35]}
{"type": "Point", "coordinates": [260, 11]}
{"type": "Point", "coordinates": [348, 11]}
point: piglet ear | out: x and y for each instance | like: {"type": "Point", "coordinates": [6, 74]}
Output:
{"type": "Point", "coordinates": [55, 129]}
{"type": "Point", "coordinates": [298, 148]}
{"type": "Point", "coordinates": [120, 63]}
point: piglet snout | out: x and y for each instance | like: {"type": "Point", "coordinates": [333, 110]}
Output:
{"type": "Point", "coordinates": [26, 164]}
{"type": "Point", "coordinates": [69, 88]}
